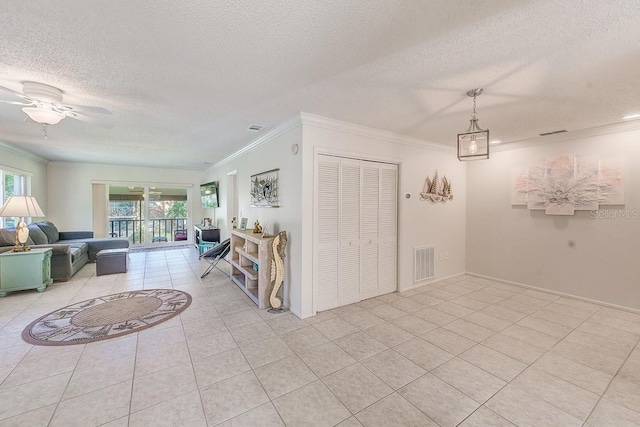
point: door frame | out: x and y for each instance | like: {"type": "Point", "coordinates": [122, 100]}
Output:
{"type": "Point", "coordinates": [146, 185]}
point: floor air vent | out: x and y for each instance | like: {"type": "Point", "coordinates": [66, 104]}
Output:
{"type": "Point", "coordinates": [424, 263]}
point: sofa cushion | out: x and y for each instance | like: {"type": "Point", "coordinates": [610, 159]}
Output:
{"type": "Point", "coordinates": [50, 230]}
{"type": "Point", "coordinates": [7, 238]}
{"type": "Point", "coordinates": [77, 252]}
{"type": "Point", "coordinates": [98, 244]}
{"type": "Point", "coordinates": [37, 235]}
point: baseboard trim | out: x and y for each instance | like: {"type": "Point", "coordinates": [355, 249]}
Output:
{"type": "Point", "coordinates": [295, 312]}
{"type": "Point", "coordinates": [429, 282]}
{"type": "Point", "coordinates": [563, 294]}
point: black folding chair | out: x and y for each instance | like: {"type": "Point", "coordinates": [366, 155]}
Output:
{"type": "Point", "coordinates": [214, 255]}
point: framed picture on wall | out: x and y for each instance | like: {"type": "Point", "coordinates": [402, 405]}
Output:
{"type": "Point", "coordinates": [264, 189]}
{"type": "Point", "coordinates": [243, 224]}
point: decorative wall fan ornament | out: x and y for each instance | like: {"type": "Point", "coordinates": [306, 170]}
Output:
{"type": "Point", "coordinates": [436, 190]}
{"type": "Point", "coordinates": [43, 104]}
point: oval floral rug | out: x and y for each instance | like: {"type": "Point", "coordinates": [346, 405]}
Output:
{"type": "Point", "coordinates": [106, 317]}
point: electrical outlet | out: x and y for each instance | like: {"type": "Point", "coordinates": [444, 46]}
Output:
{"type": "Point", "coordinates": [446, 255]}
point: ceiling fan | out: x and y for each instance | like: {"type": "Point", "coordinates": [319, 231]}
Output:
{"type": "Point", "coordinates": [139, 191]}
{"type": "Point", "coordinates": [43, 104]}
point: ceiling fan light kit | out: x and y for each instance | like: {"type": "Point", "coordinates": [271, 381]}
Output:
{"type": "Point", "coordinates": [44, 97]}
{"type": "Point", "coordinates": [43, 115]}
{"type": "Point", "coordinates": [42, 103]}
{"type": "Point", "coordinates": [473, 144]}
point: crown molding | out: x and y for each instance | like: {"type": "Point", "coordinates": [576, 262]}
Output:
{"type": "Point", "coordinates": [23, 153]}
{"type": "Point", "coordinates": [308, 119]}
{"type": "Point", "coordinates": [114, 166]}
{"type": "Point", "coordinates": [364, 131]}
{"type": "Point", "coordinates": [284, 127]}
{"type": "Point", "coordinates": [610, 129]}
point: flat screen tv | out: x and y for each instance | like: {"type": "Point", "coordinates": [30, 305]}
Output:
{"type": "Point", "coordinates": [209, 195]}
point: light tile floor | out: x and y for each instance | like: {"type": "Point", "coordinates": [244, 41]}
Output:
{"type": "Point", "coordinates": [464, 351]}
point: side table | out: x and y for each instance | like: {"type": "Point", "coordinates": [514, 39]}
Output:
{"type": "Point", "coordinates": [25, 270]}
{"type": "Point", "coordinates": [205, 234]}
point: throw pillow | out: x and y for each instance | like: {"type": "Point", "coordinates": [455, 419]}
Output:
{"type": "Point", "coordinates": [37, 235]}
{"type": "Point", "coordinates": [50, 230]}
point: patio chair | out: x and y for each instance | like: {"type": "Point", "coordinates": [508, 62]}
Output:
{"type": "Point", "coordinates": [179, 235]}
{"type": "Point", "coordinates": [214, 255]}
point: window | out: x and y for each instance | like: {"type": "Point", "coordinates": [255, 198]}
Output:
{"type": "Point", "coordinates": [12, 184]}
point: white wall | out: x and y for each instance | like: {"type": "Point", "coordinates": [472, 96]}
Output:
{"type": "Point", "coordinates": [275, 153]}
{"type": "Point", "coordinates": [578, 255]}
{"type": "Point", "coordinates": [420, 223]}
{"type": "Point", "coordinates": [17, 160]}
{"type": "Point", "coordinates": [70, 189]}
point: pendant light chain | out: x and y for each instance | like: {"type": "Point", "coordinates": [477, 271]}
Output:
{"type": "Point", "coordinates": [474, 106]}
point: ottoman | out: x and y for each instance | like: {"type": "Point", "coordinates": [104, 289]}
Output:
{"type": "Point", "coordinates": [110, 261]}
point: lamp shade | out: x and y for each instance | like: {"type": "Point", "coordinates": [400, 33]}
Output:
{"type": "Point", "coordinates": [21, 206]}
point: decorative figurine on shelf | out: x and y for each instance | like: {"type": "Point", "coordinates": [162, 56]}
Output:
{"type": "Point", "coordinates": [234, 223]}
{"type": "Point", "coordinates": [257, 228]}
{"type": "Point", "coordinates": [277, 271]}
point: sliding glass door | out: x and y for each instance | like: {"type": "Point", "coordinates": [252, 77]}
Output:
{"type": "Point", "coordinates": [148, 215]}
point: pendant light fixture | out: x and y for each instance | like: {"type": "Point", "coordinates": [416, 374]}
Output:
{"type": "Point", "coordinates": [473, 144]}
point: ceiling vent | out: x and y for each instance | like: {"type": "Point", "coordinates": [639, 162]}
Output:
{"type": "Point", "coordinates": [553, 132]}
{"type": "Point", "coordinates": [255, 128]}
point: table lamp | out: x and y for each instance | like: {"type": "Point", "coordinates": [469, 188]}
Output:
{"type": "Point", "coordinates": [21, 206]}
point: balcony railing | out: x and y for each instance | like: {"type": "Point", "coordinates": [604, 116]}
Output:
{"type": "Point", "coordinates": [160, 230]}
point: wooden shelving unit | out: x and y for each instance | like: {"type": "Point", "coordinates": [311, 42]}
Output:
{"type": "Point", "coordinates": [251, 265]}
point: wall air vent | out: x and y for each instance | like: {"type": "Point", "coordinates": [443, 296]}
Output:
{"type": "Point", "coordinates": [255, 128]}
{"type": "Point", "coordinates": [424, 263]}
{"type": "Point", "coordinates": [552, 132]}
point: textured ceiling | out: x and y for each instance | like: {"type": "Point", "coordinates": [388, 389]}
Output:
{"type": "Point", "coordinates": [184, 80]}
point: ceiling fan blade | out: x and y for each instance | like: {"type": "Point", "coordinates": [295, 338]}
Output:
{"type": "Point", "coordinates": [14, 93]}
{"type": "Point", "coordinates": [24, 104]}
{"type": "Point", "coordinates": [83, 118]}
{"type": "Point", "coordinates": [82, 109]}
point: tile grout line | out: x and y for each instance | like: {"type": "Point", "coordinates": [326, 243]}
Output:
{"type": "Point", "coordinates": [211, 298]}
{"type": "Point", "coordinates": [609, 385]}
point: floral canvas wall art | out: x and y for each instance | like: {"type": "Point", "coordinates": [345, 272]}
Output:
{"type": "Point", "coordinates": [564, 183]}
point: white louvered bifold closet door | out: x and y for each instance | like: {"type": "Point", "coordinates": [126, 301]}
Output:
{"type": "Point", "coordinates": [355, 249]}
{"type": "Point", "coordinates": [326, 264]}
{"type": "Point", "coordinates": [349, 231]}
{"type": "Point", "coordinates": [369, 229]}
{"type": "Point", "coordinates": [388, 230]}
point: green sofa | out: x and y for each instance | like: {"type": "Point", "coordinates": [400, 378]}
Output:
{"type": "Point", "coordinates": [71, 249]}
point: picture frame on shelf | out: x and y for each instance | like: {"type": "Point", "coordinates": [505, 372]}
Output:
{"type": "Point", "coordinates": [243, 224]}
